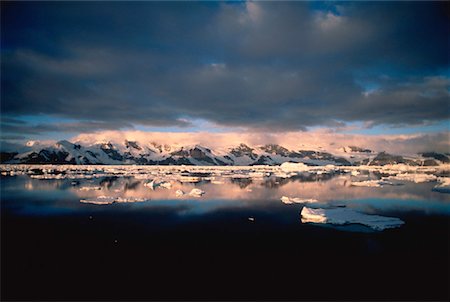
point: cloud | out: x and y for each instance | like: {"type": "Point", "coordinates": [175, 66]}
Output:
{"type": "Point", "coordinates": [397, 144]}
{"type": "Point", "coordinates": [71, 127]}
{"type": "Point", "coordinates": [259, 65]}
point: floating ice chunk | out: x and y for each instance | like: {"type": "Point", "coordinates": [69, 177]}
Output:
{"type": "Point", "coordinates": [89, 188]}
{"type": "Point", "coordinates": [373, 183]}
{"type": "Point", "coordinates": [443, 186]}
{"type": "Point", "coordinates": [100, 200]}
{"type": "Point", "coordinates": [414, 177]}
{"type": "Point", "coordinates": [217, 182]}
{"type": "Point", "coordinates": [196, 192]}
{"type": "Point", "coordinates": [258, 175]}
{"type": "Point", "coordinates": [293, 167]}
{"type": "Point", "coordinates": [291, 200]}
{"type": "Point", "coordinates": [367, 183]}
{"type": "Point", "coordinates": [165, 184]}
{"type": "Point", "coordinates": [284, 174]}
{"type": "Point", "coordinates": [130, 199]}
{"type": "Point", "coordinates": [355, 173]}
{"type": "Point", "coordinates": [189, 179]}
{"type": "Point", "coordinates": [152, 185]}
{"type": "Point", "coordinates": [341, 216]}
{"type": "Point", "coordinates": [141, 176]}
{"type": "Point", "coordinates": [179, 193]}
{"type": "Point", "coordinates": [286, 200]}
{"type": "Point", "coordinates": [103, 200]}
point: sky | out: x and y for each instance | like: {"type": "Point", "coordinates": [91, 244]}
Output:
{"type": "Point", "coordinates": [378, 69]}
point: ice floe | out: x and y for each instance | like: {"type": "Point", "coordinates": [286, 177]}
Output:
{"type": "Point", "coordinates": [182, 178]}
{"type": "Point", "coordinates": [217, 182]}
{"type": "Point", "coordinates": [414, 177]}
{"type": "Point", "coordinates": [196, 192]}
{"type": "Point", "coordinates": [165, 184]}
{"type": "Point", "coordinates": [152, 185]}
{"type": "Point", "coordinates": [443, 186]}
{"type": "Point", "coordinates": [130, 199]}
{"type": "Point", "coordinates": [155, 184]}
{"type": "Point", "coordinates": [89, 188]}
{"type": "Point", "coordinates": [104, 200]}
{"type": "Point", "coordinates": [291, 200]}
{"type": "Point", "coordinates": [373, 183]}
{"type": "Point", "coordinates": [341, 216]}
{"type": "Point", "coordinates": [179, 193]}
{"type": "Point", "coordinates": [293, 167]}
{"type": "Point", "coordinates": [100, 200]}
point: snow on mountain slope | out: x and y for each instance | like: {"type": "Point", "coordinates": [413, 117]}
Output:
{"type": "Point", "coordinates": [153, 153]}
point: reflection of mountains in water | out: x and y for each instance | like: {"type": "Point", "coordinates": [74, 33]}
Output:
{"type": "Point", "coordinates": [129, 183]}
{"type": "Point", "coordinates": [323, 187]}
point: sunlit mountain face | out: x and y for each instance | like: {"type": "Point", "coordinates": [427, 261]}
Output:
{"type": "Point", "coordinates": [224, 151]}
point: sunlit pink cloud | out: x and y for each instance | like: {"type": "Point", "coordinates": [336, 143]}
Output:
{"type": "Point", "coordinates": [316, 140]}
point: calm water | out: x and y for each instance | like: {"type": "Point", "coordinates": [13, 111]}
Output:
{"type": "Point", "coordinates": [237, 241]}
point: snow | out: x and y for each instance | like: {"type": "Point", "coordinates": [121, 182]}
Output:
{"type": "Point", "coordinates": [341, 216]}
{"type": "Point", "coordinates": [196, 192]}
{"type": "Point", "coordinates": [179, 193]}
{"type": "Point", "coordinates": [291, 200]}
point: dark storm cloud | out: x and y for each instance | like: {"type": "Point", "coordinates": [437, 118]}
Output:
{"type": "Point", "coordinates": [73, 127]}
{"type": "Point", "coordinates": [276, 66]}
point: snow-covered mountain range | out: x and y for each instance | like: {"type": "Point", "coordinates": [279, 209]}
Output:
{"type": "Point", "coordinates": [132, 152]}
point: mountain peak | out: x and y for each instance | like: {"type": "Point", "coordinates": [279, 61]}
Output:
{"type": "Point", "coordinates": [243, 150]}
{"type": "Point", "coordinates": [132, 144]}
{"type": "Point", "coordinates": [275, 149]}
{"type": "Point", "coordinates": [130, 152]}
{"type": "Point", "coordinates": [64, 144]}
{"type": "Point", "coordinates": [355, 149]}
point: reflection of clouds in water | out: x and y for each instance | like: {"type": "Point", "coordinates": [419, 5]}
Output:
{"type": "Point", "coordinates": [328, 188]}
{"type": "Point", "coordinates": [223, 192]}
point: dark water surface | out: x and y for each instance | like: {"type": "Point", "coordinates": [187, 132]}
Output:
{"type": "Point", "coordinates": [56, 248]}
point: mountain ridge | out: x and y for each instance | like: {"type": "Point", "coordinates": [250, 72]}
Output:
{"type": "Point", "coordinates": [134, 153]}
